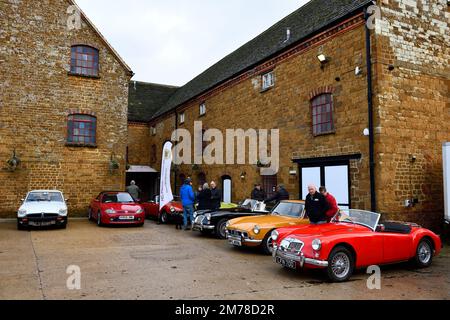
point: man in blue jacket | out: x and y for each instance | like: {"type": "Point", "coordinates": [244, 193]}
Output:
{"type": "Point", "coordinates": [187, 199]}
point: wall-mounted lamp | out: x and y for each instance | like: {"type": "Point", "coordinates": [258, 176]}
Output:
{"type": "Point", "coordinates": [323, 59]}
{"type": "Point", "coordinates": [292, 171]}
{"type": "Point", "coordinates": [243, 175]}
{"type": "Point", "coordinates": [366, 132]}
{"type": "Point", "coordinates": [358, 71]}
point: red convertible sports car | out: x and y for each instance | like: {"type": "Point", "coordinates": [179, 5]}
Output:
{"type": "Point", "coordinates": [173, 211]}
{"type": "Point", "coordinates": [354, 239]}
{"type": "Point", "coordinates": [116, 208]}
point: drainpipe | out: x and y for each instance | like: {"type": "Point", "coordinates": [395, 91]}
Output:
{"type": "Point", "coordinates": [373, 199]}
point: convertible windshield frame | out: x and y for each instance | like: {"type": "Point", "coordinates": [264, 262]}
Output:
{"type": "Point", "coordinates": [38, 196]}
{"type": "Point", "coordinates": [301, 216]}
{"type": "Point", "coordinates": [348, 212]}
{"type": "Point", "coordinates": [117, 195]}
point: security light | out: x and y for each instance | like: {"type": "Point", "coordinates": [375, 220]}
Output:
{"type": "Point", "coordinates": [322, 58]}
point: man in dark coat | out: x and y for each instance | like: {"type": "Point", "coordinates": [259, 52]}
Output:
{"type": "Point", "coordinates": [216, 196]}
{"type": "Point", "coordinates": [282, 194]}
{"type": "Point", "coordinates": [258, 193]}
{"type": "Point", "coordinates": [204, 198]}
{"type": "Point", "coordinates": [316, 206]}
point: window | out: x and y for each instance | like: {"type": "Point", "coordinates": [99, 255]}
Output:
{"type": "Point", "coordinates": [153, 131]}
{"type": "Point", "coordinates": [182, 118]}
{"type": "Point", "coordinates": [82, 129]}
{"type": "Point", "coordinates": [84, 61]}
{"type": "Point", "coordinates": [322, 114]}
{"type": "Point", "coordinates": [268, 80]}
{"type": "Point", "coordinates": [202, 109]}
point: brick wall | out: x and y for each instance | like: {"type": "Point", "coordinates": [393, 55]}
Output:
{"type": "Point", "coordinates": [138, 144]}
{"type": "Point", "coordinates": [36, 96]}
{"type": "Point", "coordinates": [412, 107]}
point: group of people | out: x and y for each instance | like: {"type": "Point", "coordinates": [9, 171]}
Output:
{"type": "Point", "coordinates": [207, 197]}
{"type": "Point", "coordinates": [320, 205]}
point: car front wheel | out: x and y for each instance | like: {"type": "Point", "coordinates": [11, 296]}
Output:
{"type": "Point", "coordinates": [90, 214]}
{"type": "Point", "coordinates": [164, 218]}
{"type": "Point", "coordinates": [221, 229]}
{"type": "Point", "coordinates": [20, 227]}
{"type": "Point", "coordinates": [424, 254]}
{"type": "Point", "coordinates": [340, 264]}
{"type": "Point", "coordinates": [267, 244]}
{"type": "Point", "coordinates": [99, 219]}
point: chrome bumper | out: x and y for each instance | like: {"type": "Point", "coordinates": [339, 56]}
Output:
{"type": "Point", "coordinates": [201, 227]}
{"type": "Point", "coordinates": [243, 240]}
{"type": "Point", "coordinates": [300, 259]}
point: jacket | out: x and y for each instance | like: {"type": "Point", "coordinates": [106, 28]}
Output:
{"type": "Point", "coordinates": [259, 195]}
{"type": "Point", "coordinates": [204, 200]}
{"type": "Point", "coordinates": [216, 198]}
{"type": "Point", "coordinates": [187, 195]}
{"type": "Point", "coordinates": [332, 206]}
{"type": "Point", "coordinates": [281, 195]}
{"type": "Point", "coordinates": [316, 207]}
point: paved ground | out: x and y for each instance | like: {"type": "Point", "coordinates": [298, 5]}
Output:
{"type": "Point", "coordinates": [159, 262]}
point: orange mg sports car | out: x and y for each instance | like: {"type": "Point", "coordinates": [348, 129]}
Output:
{"type": "Point", "coordinates": [256, 231]}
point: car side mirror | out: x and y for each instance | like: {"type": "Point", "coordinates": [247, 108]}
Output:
{"type": "Point", "coordinates": [380, 228]}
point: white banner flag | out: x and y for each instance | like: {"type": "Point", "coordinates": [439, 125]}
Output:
{"type": "Point", "coordinates": [165, 193]}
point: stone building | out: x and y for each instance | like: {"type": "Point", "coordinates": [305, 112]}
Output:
{"type": "Point", "coordinates": [323, 76]}
{"type": "Point", "coordinates": [63, 105]}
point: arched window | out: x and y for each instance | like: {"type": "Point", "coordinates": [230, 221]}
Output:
{"type": "Point", "coordinates": [82, 129]}
{"type": "Point", "coordinates": [84, 61]}
{"type": "Point", "coordinates": [322, 114]}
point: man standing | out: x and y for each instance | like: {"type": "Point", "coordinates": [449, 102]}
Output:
{"type": "Point", "coordinates": [258, 193]}
{"type": "Point", "coordinates": [134, 190]}
{"type": "Point", "coordinates": [316, 206]}
{"type": "Point", "coordinates": [332, 203]}
{"type": "Point", "coordinates": [282, 194]}
{"type": "Point", "coordinates": [187, 199]}
{"type": "Point", "coordinates": [216, 196]}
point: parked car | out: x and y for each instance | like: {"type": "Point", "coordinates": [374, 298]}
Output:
{"type": "Point", "coordinates": [42, 208]}
{"type": "Point", "coordinates": [354, 240]}
{"type": "Point", "coordinates": [214, 221]}
{"type": "Point", "coordinates": [256, 231]}
{"type": "Point", "coordinates": [171, 212]}
{"type": "Point", "coordinates": [116, 208]}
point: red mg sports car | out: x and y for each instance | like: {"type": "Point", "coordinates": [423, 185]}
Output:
{"type": "Point", "coordinates": [116, 208]}
{"type": "Point", "coordinates": [354, 239]}
{"type": "Point", "coordinates": [171, 212]}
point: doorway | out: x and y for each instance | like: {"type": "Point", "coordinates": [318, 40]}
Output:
{"type": "Point", "coordinates": [227, 187]}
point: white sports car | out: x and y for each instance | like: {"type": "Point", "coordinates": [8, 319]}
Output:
{"type": "Point", "coordinates": [42, 208]}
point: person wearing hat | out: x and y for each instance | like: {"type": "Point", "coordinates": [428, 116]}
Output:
{"type": "Point", "coordinates": [187, 199]}
{"type": "Point", "coordinates": [258, 193]}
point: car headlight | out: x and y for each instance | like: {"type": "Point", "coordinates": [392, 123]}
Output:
{"type": "Point", "coordinates": [63, 212]}
{"type": "Point", "coordinates": [317, 244]}
{"type": "Point", "coordinates": [172, 210]}
{"type": "Point", "coordinates": [139, 211]}
{"type": "Point", "coordinates": [195, 214]}
{"type": "Point", "coordinates": [208, 216]}
{"type": "Point", "coordinates": [110, 211]}
{"type": "Point", "coordinates": [256, 230]}
{"type": "Point", "coordinates": [22, 212]}
{"type": "Point", "coordinates": [275, 235]}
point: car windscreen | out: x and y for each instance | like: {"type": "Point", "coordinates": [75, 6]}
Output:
{"type": "Point", "coordinates": [44, 196]}
{"type": "Point", "coordinates": [248, 204]}
{"type": "Point", "coordinates": [289, 209]}
{"type": "Point", "coordinates": [361, 217]}
{"type": "Point", "coordinates": [117, 198]}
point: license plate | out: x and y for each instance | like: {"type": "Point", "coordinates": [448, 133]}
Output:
{"type": "Point", "coordinates": [234, 242]}
{"type": "Point", "coordinates": [287, 263]}
{"type": "Point", "coordinates": [42, 224]}
{"type": "Point", "coordinates": [126, 218]}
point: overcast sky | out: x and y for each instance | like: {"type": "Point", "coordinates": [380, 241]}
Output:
{"type": "Point", "coordinates": [172, 41]}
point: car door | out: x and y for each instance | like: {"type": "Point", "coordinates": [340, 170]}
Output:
{"type": "Point", "coordinates": [396, 247]}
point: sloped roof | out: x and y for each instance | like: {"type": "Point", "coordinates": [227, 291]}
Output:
{"type": "Point", "coordinates": [107, 44]}
{"type": "Point", "coordinates": [311, 18]}
{"type": "Point", "coordinates": [145, 99]}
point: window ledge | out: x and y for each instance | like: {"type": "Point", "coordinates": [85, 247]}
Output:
{"type": "Point", "coordinates": [82, 75]}
{"type": "Point", "coordinates": [266, 89]}
{"type": "Point", "coordinates": [81, 145]}
{"type": "Point", "coordinates": [324, 133]}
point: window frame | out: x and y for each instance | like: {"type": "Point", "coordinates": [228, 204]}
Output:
{"type": "Point", "coordinates": [92, 65]}
{"type": "Point", "coordinates": [264, 85]}
{"type": "Point", "coordinates": [70, 136]}
{"type": "Point", "coordinates": [182, 117]}
{"type": "Point", "coordinates": [202, 109]}
{"type": "Point", "coordinates": [320, 105]}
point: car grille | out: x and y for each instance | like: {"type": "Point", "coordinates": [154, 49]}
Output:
{"type": "Point", "coordinates": [237, 233]}
{"type": "Point", "coordinates": [42, 215]}
{"type": "Point", "coordinates": [291, 245]}
{"type": "Point", "coordinates": [201, 220]}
